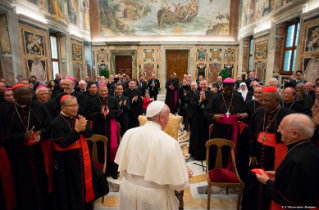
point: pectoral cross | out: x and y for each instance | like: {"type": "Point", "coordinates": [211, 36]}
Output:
{"type": "Point", "coordinates": [263, 138]}
{"type": "Point", "coordinates": [227, 113]}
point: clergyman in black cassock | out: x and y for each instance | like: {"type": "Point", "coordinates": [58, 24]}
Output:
{"type": "Point", "coordinates": [171, 99]}
{"type": "Point", "coordinates": [134, 96]}
{"type": "Point", "coordinates": [226, 108]}
{"type": "Point", "coordinates": [266, 149]}
{"type": "Point", "coordinates": [295, 184]}
{"type": "Point", "coordinates": [200, 125]}
{"type": "Point", "coordinates": [153, 85]}
{"type": "Point", "coordinates": [83, 109]}
{"type": "Point", "coordinates": [24, 127]}
{"type": "Point", "coordinates": [105, 124]}
{"type": "Point", "coordinates": [77, 181]}
{"type": "Point", "coordinates": [125, 107]}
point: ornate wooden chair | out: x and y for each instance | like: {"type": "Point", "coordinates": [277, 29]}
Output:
{"type": "Point", "coordinates": [220, 176]}
{"type": "Point", "coordinates": [94, 139]}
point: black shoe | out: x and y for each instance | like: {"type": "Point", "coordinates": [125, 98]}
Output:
{"type": "Point", "coordinates": [114, 176]}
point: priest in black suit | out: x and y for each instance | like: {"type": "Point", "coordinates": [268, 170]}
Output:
{"type": "Point", "coordinates": [42, 96]}
{"type": "Point", "coordinates": [103, 111]}
{"type": "Point", "coordinates": [125, 107]}
{"type": "Point", "coordinates": [288, 96]}
{"type": "Point", "coordinates": [153, 85]}
{"type": "Point", "coordinates": [171, 99]}
{"type": "Point", "coordinates": [68, 85]}
{"type": "Point", "coordinates": [200, 125]}
{"type": "Point", "coordinates": [136, 101]}
{"type": "Point", "coordinates": [92, 93]}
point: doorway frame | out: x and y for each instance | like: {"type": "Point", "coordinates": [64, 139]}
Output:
{"type": "Point", "coordinates": [190, 64]}
{"type": "Point", "coordinates": [123, 52]}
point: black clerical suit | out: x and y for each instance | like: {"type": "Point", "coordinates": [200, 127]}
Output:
{"type": "Point", "coordinates": [123, 117]}
{"type": "Point", "coordinates": [136, 106]}
{"type": "Point", "coordinates": [105, 126]}
{"type": "Point", "coordinates": [153, 90]}
{"type": "Point", "coordinates": [171, 99]}
{"type": "Point", "coordinates": [200, 125]}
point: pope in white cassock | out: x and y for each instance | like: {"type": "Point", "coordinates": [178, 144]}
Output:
{"type": "Point", "coordinates": [151, 164]}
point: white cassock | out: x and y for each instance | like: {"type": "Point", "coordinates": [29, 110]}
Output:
{"type": "Point", "coordinates": [152, 166]}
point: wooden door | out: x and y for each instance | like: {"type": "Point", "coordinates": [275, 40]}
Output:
{"type": "Point", "coordinates": [176, 61]}
{"type": "Point", "coordinates": [124, 65]}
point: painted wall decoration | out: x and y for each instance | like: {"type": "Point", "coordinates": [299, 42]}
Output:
{"type": "Point", "coordinates": [148, 55]}
{"type": "Point", "coordinates": [8, 70]}
{"type": "Point", "coordinates": [77, 53]}
{"type": "Point", "coordinates": [201, 69]}
{"type": "Point", "coordinates": [230, 68]}
{"type": "Point", "coordinates": [311, 68]}
{"type": "Point", "coordinates": [4, 35]}
{"type": "Point", "coordinates": [149, 69]}
{"type": "Point", "coordinates": [55, 7]}
{"type": "Point", "coordinates": [86, 15]}
{"type": "Point", "coordinates": [215, 54]}
{"type": "Point", "coordinates": [251, 11]}
{"type": "Point", "coordinates": [229, 54]}
{"type": "Point", "coordinates": [102, 55]}
{"type": "Point", "coordinates": [201, 54]}
{"type": "Point", "coordinates": [78, 70]}
{"type": "Point", "coordinates": [312, 39]}
{"type": "Point", "coordinates": [64, 69]}
{"type": "Point", "coordinates": [72, 6]}
{"type": "Point", "coordinates": [33, 43]}
{"type": "Point", "coordinates": [164, 17]}
{"type": "Point", "coordinates": [37, 68]}
{"type": "Point", "coordinates": [261, 49]}
{"type": "Point", "coordinates": [214, 69]}
{"type": "Point", "coordinates": [260, 70]}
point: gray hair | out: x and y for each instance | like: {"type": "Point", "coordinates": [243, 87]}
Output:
{"type": "Point", "coordinates": [38, 90]}
{"type": "Point", "coordinates": [65, 101]}
{"type": "Point", "coordinates": [82, 81]}
{"type": "Point", "coordinates": [274, 79]}
{"type": "Point", "coordinates": [194, 83]}
{"type": "Point", "coordinates": [301, 84]}
{"type": "Point", "coordinates": [298, 122]}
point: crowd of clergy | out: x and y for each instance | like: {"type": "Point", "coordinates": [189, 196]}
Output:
{"type": "Point", "coordinates": [45, 158]}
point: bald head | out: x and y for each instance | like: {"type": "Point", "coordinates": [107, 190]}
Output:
{"type": "Point", "coordinates": [296, 127]}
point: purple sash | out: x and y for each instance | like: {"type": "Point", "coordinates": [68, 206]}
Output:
{"type": "Point", "coordinates": [113, 139]}
{"type": "Point", "coordinates": [231, 120]}
{"type": "Point", "coordinates": [175, 99]}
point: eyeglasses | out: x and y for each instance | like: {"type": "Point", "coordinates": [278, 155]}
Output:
{"type": "Point", "coordinates": [72, 105]}
{"type": "Point", "coordinates": [298, 75]}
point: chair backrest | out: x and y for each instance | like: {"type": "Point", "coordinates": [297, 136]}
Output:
{"type": "Point", "coordinates": [172, 125]}
{"type": "Point", "coordinates": [94, 139]}
{"type": "Point", "coordinates": [119, 132]}
{"type": "Point", "coordinates": [219, 160]}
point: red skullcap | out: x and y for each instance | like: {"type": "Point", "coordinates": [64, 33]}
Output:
{"type": "Point", "coordinates": [269, 89]}
{"type": "Point", "coordinates": [18, 85]}
{"type": "Point", "coordinates": [64, 97]}
{"type": "Point", "coordinates": [8, 89]}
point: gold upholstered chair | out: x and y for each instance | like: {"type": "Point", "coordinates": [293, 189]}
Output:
{"type": "Point", "coordinates": [172, 125]}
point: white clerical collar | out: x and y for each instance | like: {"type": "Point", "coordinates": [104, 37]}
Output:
{"type": "Point", "coordinates": [65, 115]}
{"type": "Point", "coordinates": [154, 124]}
{"type": "Point", "coordinates": [22, 106]}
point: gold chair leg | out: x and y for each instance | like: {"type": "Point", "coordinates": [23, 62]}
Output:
{"type": "Point", "coordinates": [209, 190]}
